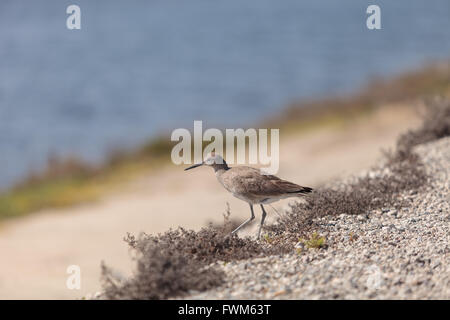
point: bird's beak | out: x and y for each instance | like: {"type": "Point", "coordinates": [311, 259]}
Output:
{"type": "Point", "coordinates": [194, 166]}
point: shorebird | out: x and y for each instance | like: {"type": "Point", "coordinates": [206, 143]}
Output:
{"type": "Point", "coordinates": [251, 186]}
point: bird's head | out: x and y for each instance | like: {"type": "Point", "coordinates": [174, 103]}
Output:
{"type": "Point", "coordinates": [211, 160]}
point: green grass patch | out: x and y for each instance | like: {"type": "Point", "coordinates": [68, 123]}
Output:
{"type": "Point", "coordinates": [314, 242]}
{"type": "Point", "coordinates": [66, 182]}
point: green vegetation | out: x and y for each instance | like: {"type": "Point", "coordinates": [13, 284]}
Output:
{"type": "Point", "coordinates": [49, 193]}
{"type": "Point", "coordinates": [66, 182]}
{"type": "Point", "coordinates": [267, 238]}
{"type": "Point", "coordinates": [352, 237]}
{"type": "Point", "coordinates": [173, 263]}
{"type": "Point", "coordinates": [341, 110]}
{"type": "Point", "coordinates": [314, 242]}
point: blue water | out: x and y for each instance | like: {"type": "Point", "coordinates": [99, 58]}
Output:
{"type": "Point", "coordinates": [138, 68]}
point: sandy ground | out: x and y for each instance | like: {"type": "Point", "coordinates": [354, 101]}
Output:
{"type": "Point", "coordinates": [37, 250]}
{"type": "Point", "coordinates": [392, 253]}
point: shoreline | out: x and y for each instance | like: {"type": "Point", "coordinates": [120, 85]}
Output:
{"type": "Point", "coordinates": [167, 198]}
{"type": "Point", "coordinates": [70, 181]}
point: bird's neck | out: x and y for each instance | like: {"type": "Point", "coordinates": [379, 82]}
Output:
{"type": "Point", "coordinates": [220, 167]}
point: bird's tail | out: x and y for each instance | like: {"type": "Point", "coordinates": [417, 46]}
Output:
{"type": "Point", "coordinates": [302, 190]}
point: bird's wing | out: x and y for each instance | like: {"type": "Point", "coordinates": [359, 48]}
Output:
{"type": "Point", "coordinates": [250, 180]}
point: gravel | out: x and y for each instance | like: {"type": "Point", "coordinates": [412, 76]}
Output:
{"type": "Point", "coordinates": [385, 254]}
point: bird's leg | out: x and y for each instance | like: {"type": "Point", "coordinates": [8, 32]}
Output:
{"type": "Point", "coordinates": [264, 213]}
{"type": "Point", "coordinates": [245, 222]}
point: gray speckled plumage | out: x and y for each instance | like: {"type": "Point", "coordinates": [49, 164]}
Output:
{"type": "Point", "coordinates": [250, 185]}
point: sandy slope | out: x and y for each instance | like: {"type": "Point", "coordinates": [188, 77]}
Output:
{"type": "Point", "coordinates": [392, 253]}
{"type": "Point", "coordinates": [37, 250]}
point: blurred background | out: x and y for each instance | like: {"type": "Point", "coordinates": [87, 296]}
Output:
{"type": "Point", "coordinates": [84, 111]}
{"type": "Point", "coordinates": [137, 68]}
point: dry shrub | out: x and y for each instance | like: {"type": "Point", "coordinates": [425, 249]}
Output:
{"type": "Point", "coordinates": [360, 196]}
{"type": "Point", "coordinates": [171, 264]}
{"type": "Point", "coordinates": [435, 125]}
{"type": "Point", "coordinates": [229, 223]}
{"type": "Point", "coordinates": [402, 172]}
{"type": "Point", "coordinates": [162, 271]}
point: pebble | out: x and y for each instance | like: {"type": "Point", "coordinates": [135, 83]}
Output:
{"type": "Point", "coordinates": [397, 254]}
